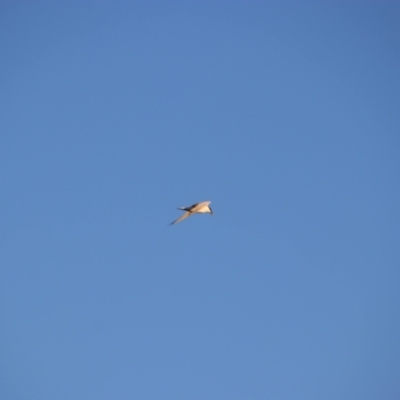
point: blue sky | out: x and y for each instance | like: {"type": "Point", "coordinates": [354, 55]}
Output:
{"type": "Point", "coordinates": [285, 115]}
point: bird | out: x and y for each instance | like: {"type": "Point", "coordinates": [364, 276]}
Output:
{"type": "Point", "coordinates": [197, 208]}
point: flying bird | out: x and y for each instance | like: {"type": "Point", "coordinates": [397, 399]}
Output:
{"type": "Point", "coordinates": [198, 208]}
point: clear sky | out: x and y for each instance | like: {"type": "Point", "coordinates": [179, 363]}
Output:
{"type": "Point", "coordinates": [286, 115]}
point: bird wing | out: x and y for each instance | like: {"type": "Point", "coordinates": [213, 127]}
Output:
{"type": "Point", "coordinates": [181, 218]}
{"type": "Point", "coordinates": [189, 208]}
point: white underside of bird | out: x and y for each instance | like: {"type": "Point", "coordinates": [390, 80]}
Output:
{"type": "Point", "coordinates": [198, 208]}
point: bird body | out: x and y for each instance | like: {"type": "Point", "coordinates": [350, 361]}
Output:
{"type": "Point", "coordinates": [197, 208]}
